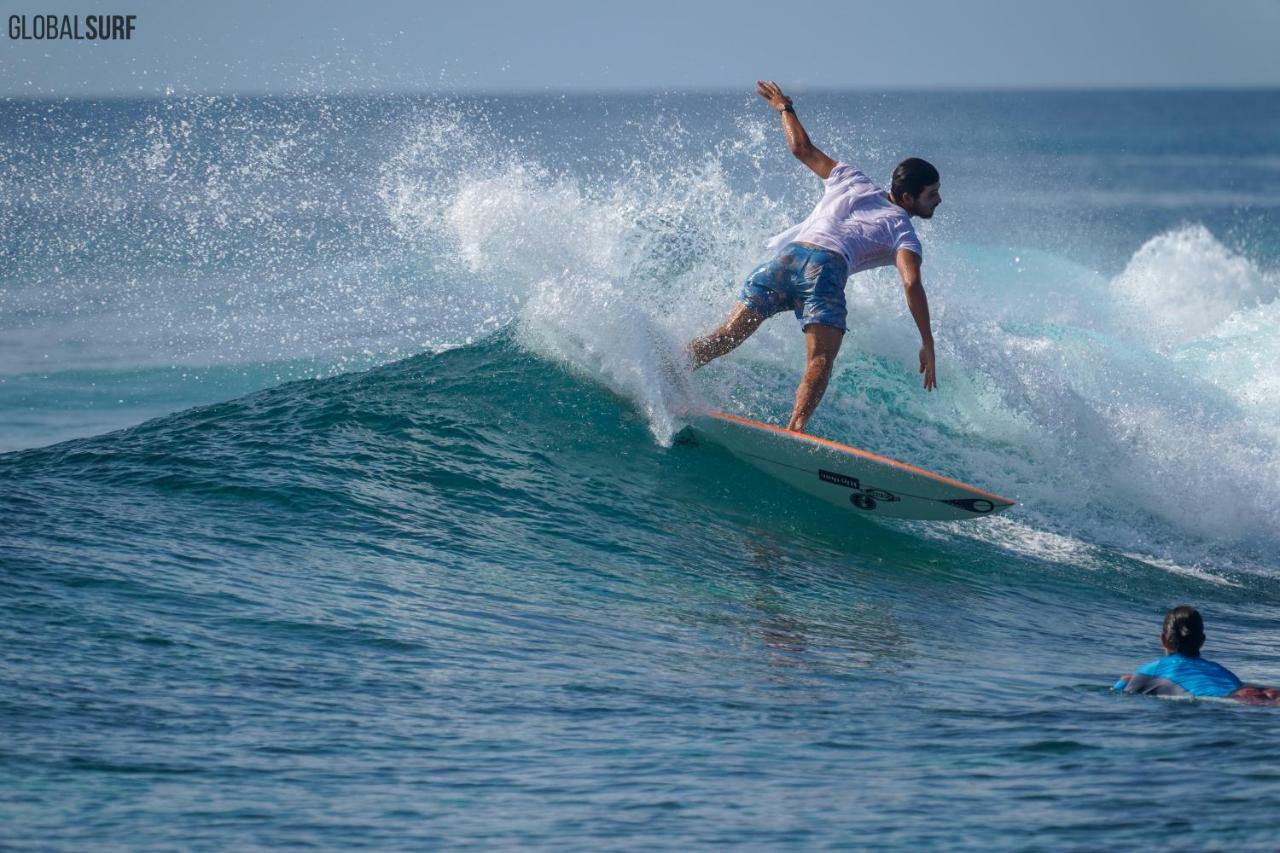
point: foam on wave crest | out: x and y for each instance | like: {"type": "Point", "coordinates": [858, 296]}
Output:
{"type": "Point", "coordinates": [1137, 412]}
{"type": "Point", "coordinates": [1184, 284]}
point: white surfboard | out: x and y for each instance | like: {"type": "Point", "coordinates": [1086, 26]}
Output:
{"type": "Point", "coordinates": [854, 479]}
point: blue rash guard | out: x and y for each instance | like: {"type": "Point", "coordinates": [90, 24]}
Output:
{"type": "Point", "coordinates": [1178, 675]}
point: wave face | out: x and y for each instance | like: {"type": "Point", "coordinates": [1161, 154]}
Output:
{"type": "Point", "coordinates": [397, 539]}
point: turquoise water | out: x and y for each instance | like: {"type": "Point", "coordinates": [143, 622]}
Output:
{"type": "Point", "coordinates": [411, 551]}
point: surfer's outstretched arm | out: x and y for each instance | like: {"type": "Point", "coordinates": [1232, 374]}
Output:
{"type": "Point", "coordinates": [797, 139]}
{"type": "Point", "coordinates": [908, 263]}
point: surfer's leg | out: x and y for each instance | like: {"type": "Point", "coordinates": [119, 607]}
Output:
{"type": "Point", "coordinates": [822, 315]}
{"type": "Point", "coordinates": [736, 329]}
{"type": "Point", "coordinates": [822, 345]}
{"type": "Point", "coordinates": [766, 291]}
{"type": "Point", "coordinates": [1253, 695]}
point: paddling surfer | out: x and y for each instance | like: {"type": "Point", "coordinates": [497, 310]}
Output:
{"type": "Point", "coordinates": [1182, 672]}
{"type": "Point", "coordinates": [855, 226]}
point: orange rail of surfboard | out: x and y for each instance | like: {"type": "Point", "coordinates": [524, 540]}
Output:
{"type": "Point", "coordinates": [863, 453]}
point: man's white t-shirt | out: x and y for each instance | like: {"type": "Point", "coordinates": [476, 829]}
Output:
{"type": "Point", "coordinates": [855, 218]}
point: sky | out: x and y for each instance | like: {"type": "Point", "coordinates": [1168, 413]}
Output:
{"type": "Point", "coordinates": [496, 46]}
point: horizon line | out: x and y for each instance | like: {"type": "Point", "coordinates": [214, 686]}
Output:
{"type": "Point", "coordinates": [638, 91]}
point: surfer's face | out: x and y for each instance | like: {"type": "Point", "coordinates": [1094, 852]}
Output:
{"type": "Point", "coordinates": [927, 202]}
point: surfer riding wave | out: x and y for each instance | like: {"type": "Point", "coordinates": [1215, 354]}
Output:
{"type": "Point", "coordinates": [855, 226]}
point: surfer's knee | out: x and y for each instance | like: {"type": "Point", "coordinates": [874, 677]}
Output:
{"type": "Point", "coordinates": [723, 340]}
{"type": "Point", "coordinates": [823, 342]}
{"type": "Point", "coordinates": [741, 325]}
{"type": "Point", "coordinates": [817, 373]}
{"type": "Point", "coordinates": [745, 320]}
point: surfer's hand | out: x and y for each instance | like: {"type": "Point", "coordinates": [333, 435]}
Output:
{"type": "Point", "coordinates": [771, 93]}
{"type": "Point", "coordinates": [926, 367]}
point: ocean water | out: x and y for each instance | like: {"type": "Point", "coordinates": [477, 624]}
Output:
{"type": "Point", "coordinates": [343, 501]}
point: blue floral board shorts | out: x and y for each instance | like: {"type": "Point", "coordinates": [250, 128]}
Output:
{"type": "Point", "coordinates": [807, 279]}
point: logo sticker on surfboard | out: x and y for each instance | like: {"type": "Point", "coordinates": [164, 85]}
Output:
{"type": "Point", "coordinates": [839, 479]}
{"type": "Point", "coordinates": [861, 498]}
{"type": "Point", "coordinates": [979, 505]}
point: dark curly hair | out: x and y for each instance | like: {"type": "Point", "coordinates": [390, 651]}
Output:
{"type": "Point", "coordinates": [1183, 631]}
{"type": "Point", "coordinates": [911, 177]}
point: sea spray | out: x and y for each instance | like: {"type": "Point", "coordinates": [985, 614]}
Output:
{"type": "Point", "coordinates": [1181, 285]}
{"type": "Point", "coordinates": [321, 235]}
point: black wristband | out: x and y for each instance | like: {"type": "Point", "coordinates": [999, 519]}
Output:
{"type": "Point", "coordinates": [788, 109]}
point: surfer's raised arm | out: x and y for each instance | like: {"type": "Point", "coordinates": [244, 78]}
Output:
{"type": "Point", "coordinates": [797, 139]}
{"type": "Point", "coordinates": [908, 263]}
